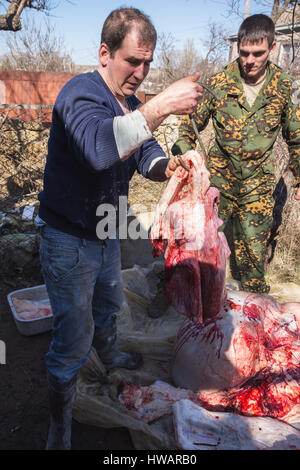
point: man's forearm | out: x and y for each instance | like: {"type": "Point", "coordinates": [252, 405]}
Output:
{"type": "Point", "coordinates": [132, 130]}
{"type": "Point", "coordinates": [154, 112]}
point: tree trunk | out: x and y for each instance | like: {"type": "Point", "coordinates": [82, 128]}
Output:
{"type": "Point", "coordinates": [278, 10]}
{"type": "Point", "coordinates": [11, 20]}
{"type": "Point", "coordinates": [275, 8]}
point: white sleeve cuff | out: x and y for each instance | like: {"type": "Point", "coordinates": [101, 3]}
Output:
{"type": "Point", "coordinates": [130, 132]}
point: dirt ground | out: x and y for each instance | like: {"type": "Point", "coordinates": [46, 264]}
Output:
{"type": "Point", "coordinates": [23, 390]}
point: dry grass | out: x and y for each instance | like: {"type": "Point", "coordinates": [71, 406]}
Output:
{"type": "Point", "coordinates": [285, 266]}
{"type": "Point", "coordinates": [145, 192]}
{"type": "Point", "coordinates": [23, 147]}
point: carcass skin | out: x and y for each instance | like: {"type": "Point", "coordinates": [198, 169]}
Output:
{"type": "Point", "coordinates": [187, 222]}
{"type": "Point", "coordinates": [252, 332]}
{"type": "Point", "coordinates": [199, 429]}
{"type": "Point", "coordinates": [237, 351]}
{"type": "Point", "coordinates": [246, 359]}
{"type": "Point", "coordinates": [199, 426]}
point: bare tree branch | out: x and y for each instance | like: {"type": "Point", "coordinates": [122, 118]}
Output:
{"type": "Point", "coordinates": [176, 64]}
{"type": "Point", "coordinates": [276, 7]}
{"type": "Point", "coordinates": [36, 49]}
{"type": "Point", "coordinates": [11, 20]}
{"type": "Point", "coordinates": [279, 8]}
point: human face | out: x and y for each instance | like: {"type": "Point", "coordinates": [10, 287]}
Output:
{"type": "Point", "coordinates": [253, 59]}
{"type": "Point", "coordinates": [125, 71]}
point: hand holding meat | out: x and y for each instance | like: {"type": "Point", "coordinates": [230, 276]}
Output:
{"type": "Point", "coordinates": [174, 163]}
{"type": "Point", "coordinates": [196, 252]}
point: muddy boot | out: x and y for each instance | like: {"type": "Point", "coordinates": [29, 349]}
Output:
{"type": "Point", "coordinates": [61, 398]}
{"type": "Point", "coordinates": [105, 343]}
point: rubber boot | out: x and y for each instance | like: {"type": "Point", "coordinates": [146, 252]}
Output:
{"type": "Point", "coordinates": [105, 343]}
{"type": "Point", "coordinates": [61, 398]}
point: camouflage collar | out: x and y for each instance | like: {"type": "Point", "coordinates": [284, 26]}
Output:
{"type": "Point", "coordinates": [234, 82]}
{"type": "Point", "coordinates": [235, 85]}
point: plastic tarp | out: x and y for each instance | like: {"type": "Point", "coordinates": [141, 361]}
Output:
{"type": "Point", "coordinates": [96, 402]}
{"type": "Point", "coordinates": [185, 425]}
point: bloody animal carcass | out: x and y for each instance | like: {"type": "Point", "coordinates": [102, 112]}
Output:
{"type": "Point", "coordinates": [236, 350]}
{"type": "Point", "coordinates": [186, 227]}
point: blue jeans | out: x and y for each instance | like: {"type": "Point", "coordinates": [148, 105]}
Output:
{"type": "Point", "coordinates": [84, 285]}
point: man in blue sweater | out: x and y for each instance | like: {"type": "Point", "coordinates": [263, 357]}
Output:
{"type": "Point", "coordinates": [100, 135]}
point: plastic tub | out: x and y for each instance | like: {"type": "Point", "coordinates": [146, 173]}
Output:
{"type": "Point", "coordinates": [32, 326]}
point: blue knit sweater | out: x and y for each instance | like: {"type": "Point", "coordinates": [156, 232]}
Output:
{"type": "Point", "coordinates": [83, 168]}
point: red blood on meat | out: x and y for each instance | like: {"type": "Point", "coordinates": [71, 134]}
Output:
{"type": "Point", "coordinates": [252, 311]}
{"type": "Point", "coordinates": [134, 396]}
{"type": "Point", "coordinates": [195, 251]}
{"type": "Point", "coordinates": [233, 306]}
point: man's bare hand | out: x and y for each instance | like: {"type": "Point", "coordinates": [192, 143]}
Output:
{"type": "Point", "coordinates": [174, 162]}
{"type": "Point", "coordinates": [180, 98]}
{"type": "Point", "coordinates": [183, 95]}
{"type": "Point", "coordinates": [297, 194]}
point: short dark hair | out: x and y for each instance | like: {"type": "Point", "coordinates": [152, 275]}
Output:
{"type": "Point", "coordinates": [255, 28]}
{"type": "Point", "coordinates": [120, 22]}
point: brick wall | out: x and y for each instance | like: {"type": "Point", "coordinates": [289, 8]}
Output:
{"type": "Point", "coordinates": [32, 90]}
{"type": "Point", "coordinates": [144, 97]}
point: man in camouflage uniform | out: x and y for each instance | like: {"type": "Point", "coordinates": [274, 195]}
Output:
{"type": "Point", "coordinates": [256, 100]}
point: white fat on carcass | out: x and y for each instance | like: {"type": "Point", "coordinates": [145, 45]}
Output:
{"type": "Point", "coordinates": [245, 359]}
{"type": "Point", "coordinates": [180, 212]}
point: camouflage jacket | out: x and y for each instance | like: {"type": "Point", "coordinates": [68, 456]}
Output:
{"type": "Point", "coordinates": [241, 159]}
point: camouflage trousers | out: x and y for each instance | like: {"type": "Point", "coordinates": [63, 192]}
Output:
{"type": "Point", "coordinates": [247, 228]}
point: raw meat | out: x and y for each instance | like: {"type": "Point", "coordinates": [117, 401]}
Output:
{"type": "Point", "coordinates": [186, 227]}
{"type": "Point", "coordinates": [31, 309]}
{"type": "Point", "coordinates": [235, 365]}
{"type": "Point", "coordinates": [151, 403]}
{"type": "Point", "coordinates": [245, 359]}
{"type": "Point", "coordinates": [237, 351]}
